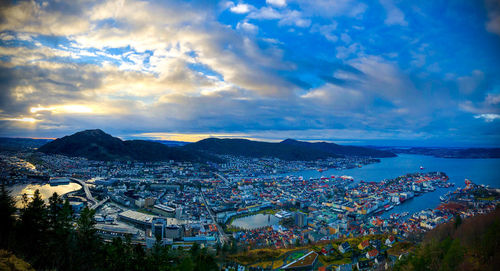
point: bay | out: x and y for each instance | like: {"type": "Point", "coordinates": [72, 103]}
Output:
{"type": "Point", "coordinates": [479, 171]}
{"type": "Point", "coordinates": [46, 191]}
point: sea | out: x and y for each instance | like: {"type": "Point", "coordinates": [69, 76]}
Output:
{"type": "Point", "coordinates": [479, 171]}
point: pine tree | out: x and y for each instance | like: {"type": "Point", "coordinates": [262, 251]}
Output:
{"type": "Point", "coordinates": [7, 211]}
{"type": "Point", "coordinates": [33, 231]}
{"type": "Point", "coordinates": [88, 243]}
{"type": "Point", "coordinates": [60, 231]}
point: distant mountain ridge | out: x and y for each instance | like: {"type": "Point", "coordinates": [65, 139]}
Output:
{"type": "Point", "coordinates": [468, 153]}
{"type": "Point", "coordinates": [97, 145]}
{"type": "Point", "coordinates": [288, 149]}
{"type": "Point", "coordinates": [344, 150]}
{"type": "Point", "coordinates": [257, 149]}
{"type": "Point", "coordinates": [19, 144]}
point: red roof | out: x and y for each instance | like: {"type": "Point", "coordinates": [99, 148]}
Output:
{"type": "Point", "coordinates": [373, 253]}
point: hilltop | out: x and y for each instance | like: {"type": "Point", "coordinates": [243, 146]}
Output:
{"type": "Point", "coordinates": [97, 145]}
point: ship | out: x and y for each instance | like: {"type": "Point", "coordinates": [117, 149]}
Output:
{"type": "Point", "coordinates": [58, 181]}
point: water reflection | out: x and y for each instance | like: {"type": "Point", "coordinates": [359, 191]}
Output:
{"type": "Point", "coordinates": [255, 221]}
{"type": "Point", "coordinates": [46, 191]}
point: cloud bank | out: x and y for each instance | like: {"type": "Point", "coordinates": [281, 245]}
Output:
{"type": "Point", "coordinates": [342, 70]}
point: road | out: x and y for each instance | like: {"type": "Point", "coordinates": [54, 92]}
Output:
{"type": "Point", "coordinates": [223, 236]}
{"type": "Point", "coordinates": [220, 176]}
{"type": "Point", "coordinates": [93, 204]}
{"type": "Point", "coordinates": [97, 205]}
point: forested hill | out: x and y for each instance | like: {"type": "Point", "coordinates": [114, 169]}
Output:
{"type": "Point", "coordinates": [97, 145]}
{"type": "Point", "coordinates": [249, 148]}
{"type": "Point", "coordinates": [472, 244]}
{"type": "Point", "coordinates": [341, 149]}
{"type": "Point", "coordinates": [286, 150]}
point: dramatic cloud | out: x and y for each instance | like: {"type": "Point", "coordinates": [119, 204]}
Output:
{"type": "Point", "coordinates": [329, 70]}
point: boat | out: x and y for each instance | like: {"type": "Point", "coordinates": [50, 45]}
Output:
{"type": "Point", "coordinates": [421, 167]}
{"type": "Point", "coordinates": [58, 181]}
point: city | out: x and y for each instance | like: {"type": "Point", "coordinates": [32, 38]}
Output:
{"type": "Point", "coordinates": [246, 203]}
{"type": "Point", "coordinates": [249, 135]}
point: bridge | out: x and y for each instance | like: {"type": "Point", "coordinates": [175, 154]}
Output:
{"type": "Point", "coordinates": [93, 203]}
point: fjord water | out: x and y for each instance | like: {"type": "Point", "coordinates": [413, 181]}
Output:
{"type": "Point", "coordinates": [46, 191]}
{"type": "Point", "coordinates": [479, 171]}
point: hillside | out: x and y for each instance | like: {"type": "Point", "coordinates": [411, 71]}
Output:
{"type": "Point", "coordinates": [473, 244]}
{"type": "Point", "coordinates": [249, 148]}
{"type": "Point", "coordinates": [340, 149]}
{"type": "Point", "coordinates": [97, 145]}
{"type": "Point", "coordinates": [286, 150]}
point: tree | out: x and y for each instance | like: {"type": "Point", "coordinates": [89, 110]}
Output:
{"type": "Point", "coordinates": [33, 230]}
{"type": "Point", "coordinates": [453, 257]}
{"type": "Point", "coordinates": [60, 229]}
{"type": "Point", "coordinates": [205, 261]}
{"type": "Point", "coordinates": [7, 211]}
{"type": "Point", "coordinates": [195, 250]}
{"type": "Point", "coordinates": [87, 241]}
{"type": "Point", "coordinates": [458, 221]}
{"type": "Point", "coordinates": [234, 246]}
{"type": "Point", "coordinates": [186, 264]}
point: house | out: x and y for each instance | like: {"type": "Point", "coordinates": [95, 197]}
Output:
{"type": "Point", "coordinates": [344, 247]}
{"type": "Point", "coordinates": [390, 241]}
{"type": "Point", "coordinates": [363, 245]}
{"type": "Point", "coordinates": [372, 254]}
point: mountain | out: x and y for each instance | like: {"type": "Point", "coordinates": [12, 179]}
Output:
{"type": "Point", "coordinates": [469, 153]}
{"type": "Point", "coordinates": [342, 150]}
{"type": "Point", "coordinates": [19, 144]}
{"type": "Point", "coordinates": [97, 145]}
{"type": "Point", "coordinates": [286, 150]}
{"type": "Point", "coordinates": [249, 148]}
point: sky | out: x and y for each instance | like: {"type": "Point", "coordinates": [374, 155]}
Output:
{"type": "Point", "coordinates": [386, 72]}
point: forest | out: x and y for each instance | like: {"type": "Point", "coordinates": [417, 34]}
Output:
{"type": "Point", "coordinates": [50, 237]}
{"type": "Point", "coordinates": [469, 244]}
